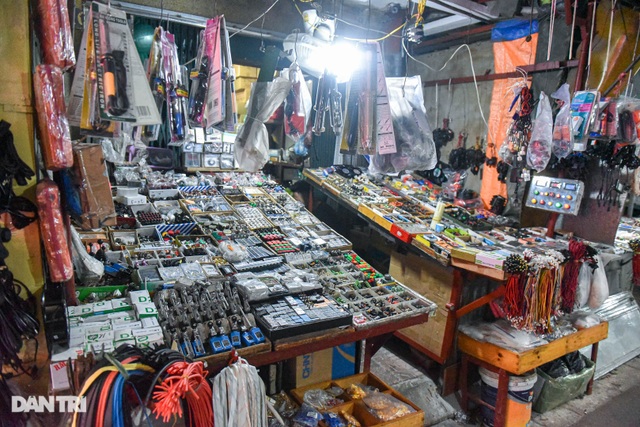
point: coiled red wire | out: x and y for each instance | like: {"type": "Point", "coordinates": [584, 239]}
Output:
{"type": "Point", "coordinates": [185, 381]}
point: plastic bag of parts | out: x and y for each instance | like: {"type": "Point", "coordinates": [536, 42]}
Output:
{"type": "Point", "coordinates": [415, 149]}
{"type": "Point", "coordinates": [628, 119]}
{"type": "Point", "coordinates": [233, 252]}
{"type": "Point", "coordinates": [321, 399]}
{"type": "Point", "coordinates": [88, 269]}
{"type": "Point", "coordinates": [252, 142]}
{"type": "Point", "coordinates": [454, 183]}
{"type": "Point", "coordinates": [54, 33]}
{"type": "Point", "coordinates": [53, 232]}
{"type": "Point", "coordinates": [307, 416]}
{"type": "Point", "coordinates": [539, 151]}
{"type": "Point", "coordinates": [297, 105]}
{"type": "Point", "coordinates": [358, 391]}
{"type": "Point", "coordinates": [53, 127]}
{"type": "Point", "coordinates": [562, 133]}
{"type": "Point", "coordinates": [385, 407]}
{"type": "Point", "coordinates": [599, 285]}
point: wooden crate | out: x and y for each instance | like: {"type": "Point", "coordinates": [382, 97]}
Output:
{"type": "Point", "coordinates": [358, 408]}
{"type": "Point", "coordinates": [520, 363]}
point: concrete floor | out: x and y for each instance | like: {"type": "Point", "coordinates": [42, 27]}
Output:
{"type": "Point", "coordinates": [614, 401]}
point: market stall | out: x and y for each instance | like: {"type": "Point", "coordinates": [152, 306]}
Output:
{"type": "Point", "coordinates": [213, 217]}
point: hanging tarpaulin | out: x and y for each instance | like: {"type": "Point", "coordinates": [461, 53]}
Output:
{"type": "Point", "coordinates": [508, 53]}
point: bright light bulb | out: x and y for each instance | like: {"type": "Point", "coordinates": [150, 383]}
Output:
{"type": "Point", "coordinates": [346, 59]}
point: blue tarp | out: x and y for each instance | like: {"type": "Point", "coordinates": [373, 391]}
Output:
{"type": "Point", "coordinates": [513, 29]}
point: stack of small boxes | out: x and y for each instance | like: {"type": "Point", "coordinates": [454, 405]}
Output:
{"type": "Point", "coordinates": [105, 325]}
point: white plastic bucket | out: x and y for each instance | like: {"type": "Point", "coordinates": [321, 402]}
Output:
{"type": "Point", "coordinates": [520, 398]}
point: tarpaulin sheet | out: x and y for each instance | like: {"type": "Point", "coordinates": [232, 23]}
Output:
{"type": "Point", "coordinates": [507, 56]}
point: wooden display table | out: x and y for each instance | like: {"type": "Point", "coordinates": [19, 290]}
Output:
{"type": "Point", "coordinates": [504, 362]}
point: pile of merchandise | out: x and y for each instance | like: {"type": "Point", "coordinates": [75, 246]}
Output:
{"type": "Point", "coordinates": [226, 265]}
{"type": "Point", "coordinates": [545, 277]}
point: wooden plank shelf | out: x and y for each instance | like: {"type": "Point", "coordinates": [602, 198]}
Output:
{"type": "Point", "coordinates": [520, 363]}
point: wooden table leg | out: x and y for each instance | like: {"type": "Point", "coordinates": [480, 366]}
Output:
{"type": "Point", "coordinates": [500, 415]}
{"type": "Point", "coordinates": [594, 359]}
{"type": "Point", "coordinates": [371, 346]}
{"type": "Point", "coordinates": [464, 391]}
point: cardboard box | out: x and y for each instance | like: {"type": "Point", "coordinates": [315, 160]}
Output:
{"type": "Point", "coordinates": [93, 187]}
{"type": "Point", "coordinates": [324, 365]}
{"type": "Point", "coordinates": [433, 281]}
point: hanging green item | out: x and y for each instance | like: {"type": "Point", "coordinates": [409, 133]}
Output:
{"type": "Point", "coordinates": [143, 38]}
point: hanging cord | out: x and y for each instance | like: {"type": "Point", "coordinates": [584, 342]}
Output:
{"type": "Point", "coordinates": [437, 106]}
{"type": "Point", "coordinates": [450, 91]}
{"type": "Point", "coordinates": [552, 24]}
{"type": "Point", "coordinates": [573, 28]}
{"type": "Point", "coordinates": [473, 71]}
{"type": "Point", "coordinates": [593, 29]}
{"type": "Point", "coordinates": [635, 48]}
{"type": "Point", "coordinates": [255, 20]}
{"type": "Point", "coordinates": [606, 60]}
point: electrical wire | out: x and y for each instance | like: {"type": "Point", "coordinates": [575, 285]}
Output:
{"type": "Point", "coordinates": [255, 20]}
{"type": "Point", "coordinates": [378, 39]}
{"type": "Point", "coordinates": [473, 71]}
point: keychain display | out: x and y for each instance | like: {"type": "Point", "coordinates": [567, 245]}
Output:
{"type": "Point", "coordinates": [458, 156]}
{"type": "Point", "coordinates": [475, 156]}
{"type": "Point", "coordinates": [442, 136]}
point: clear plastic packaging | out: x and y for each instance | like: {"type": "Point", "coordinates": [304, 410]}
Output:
{"type": "Point", "coordinates": [358, 391]}
{"type": "Point", "coordinates": [562, 133]}
{"type": "Point", "coordinates": [307, 416]}
{"type": "Point", "coordinates": [53, 127]}
{"type": "Point", "coordinates": [415, 148]}
{"type": "Point", "coordinates": [539, 150]}
{"type": "Point", "coordinates": [385, 407]}
{"type": "Point", "coordinates": [233, 252]}
{"type": "Point", "coordinates": [52, 228]}
{"type": "Point", "coordinates": [599, 285]}
{"type": "Point", "coordinates": [88, 269]}
{"type": "Point", "coordinates": [54, 33]}
{"type": "Point", "coordinates": [321, 399]}
{"type": "Point", "coordinates": [252, 142]}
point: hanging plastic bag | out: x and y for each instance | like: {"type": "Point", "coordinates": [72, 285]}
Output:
{"type": "Point", "coordinates": [599, 285]}
{"type": "Point", "coordinates": [539, 151]}
{"type": "Point", "coordinates": [562, 133]}
{"type": "Point", "coordinates": [584, 285]}
{"type": "Point", "coordinates": [415, 148]}
{"type": "Point", "coordinates": [297, 105]}
{"type": "Point", "coordinates": [252, 142]}
{"type": "Point", "coordinates": [88, 269]}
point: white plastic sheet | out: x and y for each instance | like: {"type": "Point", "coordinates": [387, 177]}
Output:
{"type": "Point", "coordinates": [252, 142]}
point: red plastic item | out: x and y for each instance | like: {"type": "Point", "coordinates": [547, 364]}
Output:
{"type": "Point", "coordinates": [53, 126]}
{"type": "Point", "coordinates": [53, 231]}
{"type": "Point", "coordinates": [54, 32]}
